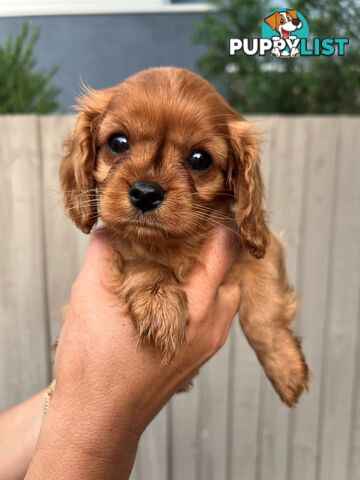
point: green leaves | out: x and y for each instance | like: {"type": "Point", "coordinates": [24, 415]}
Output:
{"type": "Point", "coordinates": [23, 89]}
{"type": "Point", "coordinates": [268, 85]}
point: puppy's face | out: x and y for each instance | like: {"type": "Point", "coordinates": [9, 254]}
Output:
{"type": "Point", "coordinates": [284, 22]}
{"type": "Point", "coordinates": [160, 158]}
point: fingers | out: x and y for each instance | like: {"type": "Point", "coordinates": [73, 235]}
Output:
{"type": "Point", "coordinates": [226, 307]}
{"type": "Point", "coordinates": [217, 257]}
{"type": "Point", "coordinates": [209, 333]}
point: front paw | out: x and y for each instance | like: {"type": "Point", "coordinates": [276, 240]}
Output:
{"type": "Point", "coordinates": [294, 52]}
{"type": "Point", "coordinates": [276, 51]}
{"type": "Point", "coordinates": [160, 316]}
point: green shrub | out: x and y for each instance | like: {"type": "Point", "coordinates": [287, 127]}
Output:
{"type": "Point", "coordinates": [299, 85]}
{"type": "Point", "coordinates": [23, 89]}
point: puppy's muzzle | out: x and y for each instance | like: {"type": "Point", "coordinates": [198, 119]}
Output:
{"type": "Point", "coordinates": [146, 196]}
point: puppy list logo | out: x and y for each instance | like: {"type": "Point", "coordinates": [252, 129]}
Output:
{"type": "Point", "coordinates": [285, 33]}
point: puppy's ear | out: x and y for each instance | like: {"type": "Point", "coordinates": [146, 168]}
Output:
{"type": "Point", "coordinates": [244, 179]}
{"type": "Point", "coordinates": [273, 20]}
{"type": "Point", "coordinates": [77, 167]}
{"type": "Point", "coordinates": [292, 13]}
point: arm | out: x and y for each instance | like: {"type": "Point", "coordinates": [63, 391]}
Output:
{"type": "Point", "coordinates": [108, 386]}
{"type": "Point", "coordinates": [19, 431]}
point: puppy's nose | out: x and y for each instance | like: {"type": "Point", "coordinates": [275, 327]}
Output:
{"type": "Point", "coordinates": [146, 196]}
{"type": "Point", "coordinates": [295, 21]}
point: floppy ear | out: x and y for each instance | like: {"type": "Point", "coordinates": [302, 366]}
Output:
{"type": "Point", "coordinates": [273, 20]}
{"type": "Point", "coordinates": [77, 167]}
{"type": "Point", "coordinates": [244, 179]}
{"type": "Point", "coordinates": [292, 13]}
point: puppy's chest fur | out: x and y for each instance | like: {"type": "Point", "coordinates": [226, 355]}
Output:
{"type": "Point", "coordinates": [176, 259]}
{"type": "Point", "coordinates": [177, 255]}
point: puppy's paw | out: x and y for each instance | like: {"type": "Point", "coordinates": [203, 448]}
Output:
{"type": "Point", "coordinates": [294, 52]}
{"type": "Point", "coordinates": [160, 316]}
{"type": "Point", "coordinates": [276, 51]}
{"type": "Point", "coordinates": [288, 372]}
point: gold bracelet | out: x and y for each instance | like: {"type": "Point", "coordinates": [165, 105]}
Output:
{"type": "Point", "coordinates": [48, 395]}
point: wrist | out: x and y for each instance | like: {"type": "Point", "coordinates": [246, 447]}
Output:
{"type": "Point", "coordinates": [92, 418]}
{"type": "Point", "coordinates": [93, 443]}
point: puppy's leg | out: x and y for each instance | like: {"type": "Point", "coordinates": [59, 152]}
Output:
{"type": "Point", "coordinates": [268, 304]}
{"type": "Point", "coordinates": [157, 306]}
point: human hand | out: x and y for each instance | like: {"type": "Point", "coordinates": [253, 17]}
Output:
{"type": "Point", "coordinates": [109, 386]}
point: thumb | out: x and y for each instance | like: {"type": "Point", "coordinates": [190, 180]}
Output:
{"type": "Point", "coordinates": [97, 263]}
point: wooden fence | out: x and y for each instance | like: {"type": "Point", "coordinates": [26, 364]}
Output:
{"type": "Point", "coordinates": [231, 426]}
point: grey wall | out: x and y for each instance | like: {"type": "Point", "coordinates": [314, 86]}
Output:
{"type": "Point", "coordinates": [104, 49]}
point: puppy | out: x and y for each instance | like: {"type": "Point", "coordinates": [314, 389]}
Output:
{"type": "Point", "coordinates": [284, 23]}
{"type": "Point", "coordinates": [162, 159]}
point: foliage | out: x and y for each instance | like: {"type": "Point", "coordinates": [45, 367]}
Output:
{"type": "Point", "coordinates": [23, 89]}
{"type": "Point", "coordinates": [266, 84]}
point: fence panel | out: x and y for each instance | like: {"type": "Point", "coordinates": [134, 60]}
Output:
{"type": "Point", "coordinates": [339, 374]}
{"type": "Point", "coordinates": [231, 425]}
{"type": "Point", "coordinates": [24, 366]}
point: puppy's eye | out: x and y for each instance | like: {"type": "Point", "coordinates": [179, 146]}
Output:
{"type": "Point", "coordinates": [199, 161]}
{"type": "Point", "coordinates": [118, 143]}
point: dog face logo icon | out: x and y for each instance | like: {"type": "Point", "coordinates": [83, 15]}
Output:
{"type": "Point", "coordinates": [285, 28]}
{"type": "Point", "coordinates": [284, 22]}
